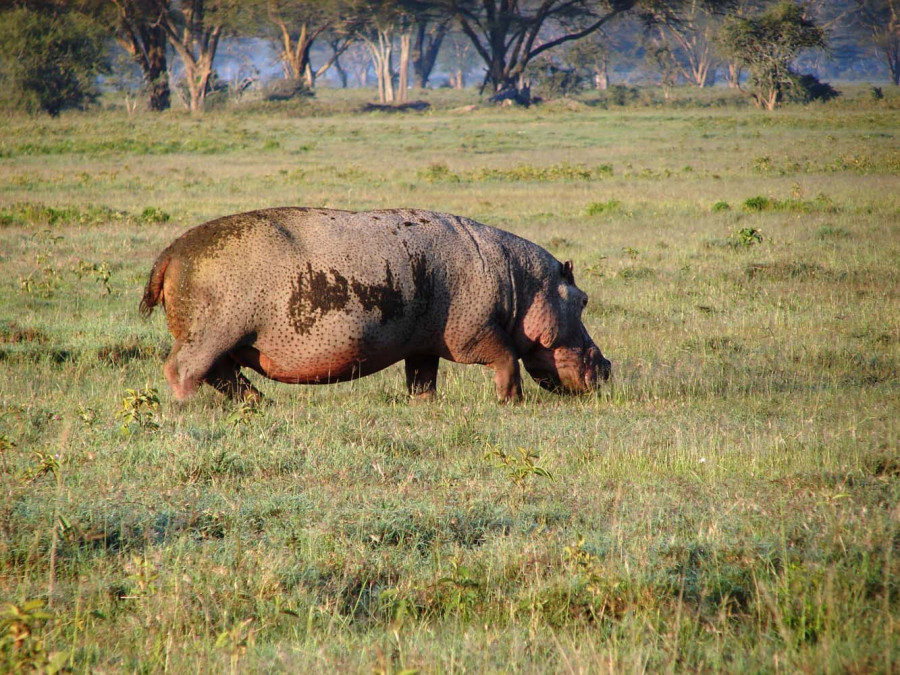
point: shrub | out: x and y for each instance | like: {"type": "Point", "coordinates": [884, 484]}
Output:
{"type": "Point", "coordinates": [596, 208]}
{"type": "Point", "coordinates": [807, 88]}
{"type": "Point", "coordinates": [758, 203]}
{"type": "Point", "coordinates": [49, 62]}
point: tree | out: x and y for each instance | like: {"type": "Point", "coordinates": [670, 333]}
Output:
{"type": "Point", "coordinates": [881, 19]}
{"type": "Point", "coordinates": [430, 30]}
{"type": "Point", "coordinates": [457, 58]}
{"type": "Point", "coordinates": [50, 61]}
{"type": "Point", "coordinates": [299, 25]}
{"type": "Point", "coordinates": [508, 34]}
{"type": "Point", "coordinates": [767, 46]}
{"type": "Point", "coordinates": [194, 28]}
{"type": "Point", "coordinates": [686, 32]}
{"type": "Point", "coordinates": [593, 56]}
{"type": "Point", "coordinates": [380, 23]}
{"type": "Point", "coordinates": [139, 33]}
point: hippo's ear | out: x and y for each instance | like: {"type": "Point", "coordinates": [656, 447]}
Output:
{"type": "Point", "coordinates": [567, 272]}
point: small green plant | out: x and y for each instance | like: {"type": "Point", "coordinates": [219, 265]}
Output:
{"type": "Point", "coordinates": [464, 586]}
{"type": "Point", "coordinates": [520, 466]}
{"type": "Point", "coordinates": [596, 269]}
{"type": "Point", "coordinates": [6, 445]}
{"type": "Point", "coordinates": [99, 271]}
{"type": "Point", "coordinates": [758, 203]}
{"type": "Point", "coordinates": [597, 208]}
{"type": "Point", "coordinates": [243, 414]}
{"type": "Point", "coordinates": [21, 645]}
{"type": "Point", "coordinates": [438, 172]}
{"type": "Point", "coordinates": [87, 415]}
{"type": "Point", "coordinates": [154, 215]}
{"type": "Point", "coordinates": [632, 253]}
{"type": "Point", "coordinates": [763, 164]}
{"type": "Point", "coordinates": [721, 206]}
{"type": "Point", "coordinates": [46, 463]}
{"type": "Point", "coordinates": [586, 562]}
{"type": "Point", "coordinates": [142, 578]}
{"type": "Point", "coordinates": [746, 237]}
{"type": "Point", "coordinates": [139, 408]}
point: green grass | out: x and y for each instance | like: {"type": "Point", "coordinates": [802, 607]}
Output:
{"type": "Point", "coordinates": [727, 503]}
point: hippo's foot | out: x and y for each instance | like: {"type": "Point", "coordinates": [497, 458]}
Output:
{"type": "Point", "coordinates": [421, 377]}
{"type": "Point", "coordinates": [225, 376]}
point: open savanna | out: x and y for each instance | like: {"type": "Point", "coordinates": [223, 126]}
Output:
{"type": "Point", "coordinates": [727, 502]}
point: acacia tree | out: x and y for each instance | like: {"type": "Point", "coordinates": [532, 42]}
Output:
{"type": "Point", "coordinates": [457, 57]}
{"type": "Point", "coordinates": [687, 32]}
{"type": "Point", "coordinates": [509, 34]}
{"type": "Point", "coordinates": [194, 28]}
{"type": "Point", "coordinates": [381, 25]}
{"type": "Point", "coordinates": [139, 33]}
{"type": "Point", "coordinates": [299, 25]}
{"type": "Point", "coordinates": [429, 32]}
{"type": "Point", "coordinates": [881, 20]}
{"type": "Point", "coordinates": [767, 45]}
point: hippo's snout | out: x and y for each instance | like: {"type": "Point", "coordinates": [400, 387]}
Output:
{"type": "Point", "coordinates": [598, 368]}
{"type": "Point", "coordinates": [568, 370]}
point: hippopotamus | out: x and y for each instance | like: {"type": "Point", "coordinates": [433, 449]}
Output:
{"type": "Point", "coordinates": [310, 295]}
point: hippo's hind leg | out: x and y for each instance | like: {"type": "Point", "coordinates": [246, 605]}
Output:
{"type": "Point", "coordinates": [192, 362]}
{"type": "Point", "coordinates": [182, 378]}
{"type": "Point", "coordinates": [421, 376]}
{"type": "Point", "coordinates": [225, 375]}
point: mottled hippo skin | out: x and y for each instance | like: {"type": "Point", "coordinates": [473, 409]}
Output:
{"type": "Point", "coordinates": [315, 296]}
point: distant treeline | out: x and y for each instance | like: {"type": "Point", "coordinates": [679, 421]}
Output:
{"type": "Point", "coordinates": [54, 54]}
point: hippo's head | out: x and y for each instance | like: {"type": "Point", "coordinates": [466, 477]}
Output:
{"type": "Point", "coordinates": [564, 358]}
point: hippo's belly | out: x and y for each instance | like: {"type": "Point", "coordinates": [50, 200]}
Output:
{"type": "Point", "coordinates": [338, 348]}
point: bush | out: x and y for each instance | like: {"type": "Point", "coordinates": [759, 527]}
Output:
{"type": "Point", "coordinates": [807, 88]}
{"type": "Point", "coordinates": [286, 89]}
{"type": "Point", "coordinates": [49, 62]}
{"type": "Point", "coordinates": [555, 82]}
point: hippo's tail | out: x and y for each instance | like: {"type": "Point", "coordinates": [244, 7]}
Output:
{"type": "Point", "coordinates": [153, 292]}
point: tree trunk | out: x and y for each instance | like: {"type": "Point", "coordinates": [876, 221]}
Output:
{"type": "Point", "coordinates": [734, 75]}
{"type": "Point", "coordinates": [893, 61]}
{"type": "Point", "coordinates": [157, 75]}
{"type": "Point", "coordinates": [185, 39]}
{"type": "Point", "coordinates": [146, 42]}
{"type": "Point", "coordinates": [403, 79]}
{"type": "Point", "coordinates": [381, 52]}
{"type": "Point", "coordinates": [425, 51]}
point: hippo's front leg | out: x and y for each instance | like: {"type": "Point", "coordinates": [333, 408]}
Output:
{"type": "Point", "coordinates": [421, 376]}
{"type": "Point", "coordinates": [495, 350]}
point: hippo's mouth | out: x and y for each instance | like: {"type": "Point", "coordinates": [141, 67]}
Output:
{"type": "Point", "coordinates": [567, 371]}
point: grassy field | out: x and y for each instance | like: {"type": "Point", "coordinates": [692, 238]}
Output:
{"type": "Point", "coordinates": [729, 502]}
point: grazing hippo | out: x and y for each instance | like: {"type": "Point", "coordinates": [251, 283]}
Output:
{"type": "Point", "coordinates": [309, 296]}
